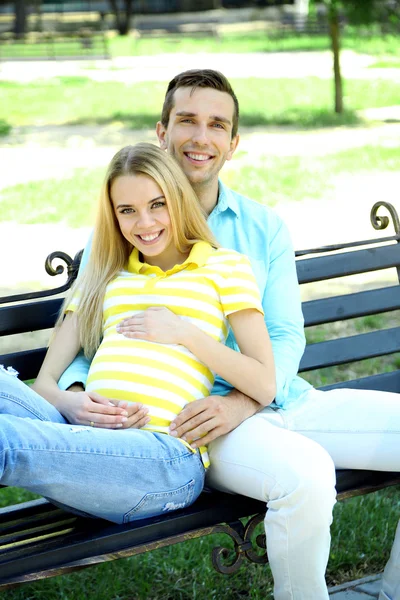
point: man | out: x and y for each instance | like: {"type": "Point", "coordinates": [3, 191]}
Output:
{"type": "Point", "coordinates": [285, 454]}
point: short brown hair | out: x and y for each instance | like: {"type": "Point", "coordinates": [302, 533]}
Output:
{"type": "Point", "coordinates": [199, 78]}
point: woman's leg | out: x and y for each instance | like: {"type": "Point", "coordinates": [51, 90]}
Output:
{"type": "Point", "coordinates": [116, 475]}
{"type": "Point", "coordinates": [18, 399]}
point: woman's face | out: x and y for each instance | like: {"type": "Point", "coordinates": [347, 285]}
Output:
{"type": "Point", "coordinates": [143, 217]}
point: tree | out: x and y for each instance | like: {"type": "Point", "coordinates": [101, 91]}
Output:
{"type": "Point", "coordinates": [357, 12]}
{"type": "Point", "coordinates": [19, 17]}
{"type": "Point", "coordinates": [122, 15]}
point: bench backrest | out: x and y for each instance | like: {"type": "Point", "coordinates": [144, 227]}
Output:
{"type": "Point", "coordinates": [20, 314]}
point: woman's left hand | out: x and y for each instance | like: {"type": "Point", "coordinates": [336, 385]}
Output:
{"type": "Point", "coordinates": [156, 324]}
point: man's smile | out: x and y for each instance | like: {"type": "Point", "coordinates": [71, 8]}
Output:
{"type": "Point", "coordinates": [198, 156]}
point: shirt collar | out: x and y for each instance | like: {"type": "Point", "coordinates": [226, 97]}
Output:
{"type": "Point", "coordinates": [199, 255]}
{"type": "Point", "coordinates": [226, 199]}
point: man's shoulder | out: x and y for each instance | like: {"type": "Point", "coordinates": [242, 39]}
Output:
{"type": "Point", "coordinates": [250, 208]}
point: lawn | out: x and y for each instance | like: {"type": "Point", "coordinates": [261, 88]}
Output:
{"type": "Point", "coordinates": [266, 177]}
{"type": "Point", "coordinates": [361, 40]}
{"type": "Point", "coordinates": [305, 102]}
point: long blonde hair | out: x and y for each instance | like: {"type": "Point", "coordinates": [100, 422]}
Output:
{"type": "Point", "coordinates": [110, 250]}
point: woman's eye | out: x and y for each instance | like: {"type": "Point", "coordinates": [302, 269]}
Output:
{"type": "Point", "coordinates": [126, 211]}
{"type": "Point", "coordinates": [157, 204]}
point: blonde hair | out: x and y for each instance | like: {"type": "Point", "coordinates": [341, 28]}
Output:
{"type": "Point", "coordinates": [110, 250]}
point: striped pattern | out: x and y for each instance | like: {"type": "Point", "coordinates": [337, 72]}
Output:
{"type": "Point", "coordinates": [210, 285]}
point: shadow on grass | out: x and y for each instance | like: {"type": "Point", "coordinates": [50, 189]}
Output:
{"type": "Point", "coordinates": [296, 117]}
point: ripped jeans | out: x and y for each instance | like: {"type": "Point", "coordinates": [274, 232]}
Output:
{"type": "Point", "coordinates": [118, 475]}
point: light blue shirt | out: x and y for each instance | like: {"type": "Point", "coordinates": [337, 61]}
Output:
{"type": "Point", "coordinates": [255, 230]}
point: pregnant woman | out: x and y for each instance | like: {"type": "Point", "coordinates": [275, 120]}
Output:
{"type": "Point", "coordinates": [154, 257]}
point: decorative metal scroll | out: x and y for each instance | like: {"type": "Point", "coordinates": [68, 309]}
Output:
{"type": "Point", "coordinates": [381, 222]}
{"type": "Point", "coordinates": [243, 546]}
{"type": "Point", "coordinates": [378, 222]}
{"type": "Point", "coordinates": [72, 267]}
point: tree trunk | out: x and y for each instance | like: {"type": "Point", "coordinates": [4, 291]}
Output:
{"type": "Point", "coordinates": [333, 17]}
{"type": "Point", "coordinates": [122, 18]}
{"type": "Point", "coordinates": [20, 18]}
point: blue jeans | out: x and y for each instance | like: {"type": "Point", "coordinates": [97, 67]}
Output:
{"type": "Point", "coordinates": [119, 475]}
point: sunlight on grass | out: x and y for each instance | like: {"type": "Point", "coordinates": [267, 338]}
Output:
{"type": "Point", "coordinates": [268, 178]}
{"type": "Point", "coordinates": [305, 102]}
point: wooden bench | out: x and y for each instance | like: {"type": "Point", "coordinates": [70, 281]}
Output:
{"type": "Point", "coordinates": [39, 540]}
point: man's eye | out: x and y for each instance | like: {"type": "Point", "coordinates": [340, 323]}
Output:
{"type": "Point", "coordinates": [218, 125]}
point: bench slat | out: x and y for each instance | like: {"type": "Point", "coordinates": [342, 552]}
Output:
{"type": "Point", "coordinates": [347, 263]}
{"type": "Point", "coordinates": [349, 306]}
{"type": "Point", "coordinates": [27, 362]}
{"type": "Point", "coordinates": [31, 316]}
{"type": "Point", "coordinates": [351, 349]}
{"type": "Point", "coordinates": [383, 382]}
{"type": "Point", "coordinates": [92, 537]}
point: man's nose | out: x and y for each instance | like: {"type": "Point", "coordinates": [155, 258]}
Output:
{"type": "Point", "coordinates": [200, 135]}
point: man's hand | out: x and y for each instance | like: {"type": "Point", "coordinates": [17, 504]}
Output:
{"type": "Point", "coordinates": [129, 414]}
{"type": "Point", "coordinates": [211, 417]}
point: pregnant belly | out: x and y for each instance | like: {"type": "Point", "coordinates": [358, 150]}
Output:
{"type": "Point", "coordinates": [162, 378]}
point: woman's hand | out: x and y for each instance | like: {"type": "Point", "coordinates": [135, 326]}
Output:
{"type": "Point", "coordinates": [156, 324]}
{"type": "Point", "coordinates": [89, 408]}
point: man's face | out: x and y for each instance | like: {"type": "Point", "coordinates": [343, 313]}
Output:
{"type": "Point", "coordinates": [199, 133]}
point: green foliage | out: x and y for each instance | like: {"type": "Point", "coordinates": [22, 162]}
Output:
{"type": "Point", "coordinates": [5, 128]}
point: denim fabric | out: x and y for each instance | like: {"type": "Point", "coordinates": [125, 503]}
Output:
{"type": "Point", "coordinates": [119, 475]}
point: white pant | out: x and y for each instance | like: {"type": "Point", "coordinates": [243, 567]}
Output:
{"type": "Point", "coordinates": [287, 458]}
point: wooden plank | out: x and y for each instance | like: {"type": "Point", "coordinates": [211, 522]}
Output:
{"type": "Point", "coordinates": [351, 349]}
{"type": "Point", "coordinates": [383, 382]}
{"type": "Point", "coordinates": [349, 306]}
{"type": "Point", "coordinates": [347, 263]}
{"type": "Point", "coordinates": [92, 537]}
{"type": "Point", "coordinates": [27, 362]}
{"type": "Point", "coordinates": [31, 316]}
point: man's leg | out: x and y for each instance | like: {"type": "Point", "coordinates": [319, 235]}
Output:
{"type": "Point", "coordinates": [360, 430]}
{"type": "Point", "coordinates": [391, 576]}
{"type": "Point", "coordinates": [296, 478]}
{"type": "Point", "coordinates": [116, 475]}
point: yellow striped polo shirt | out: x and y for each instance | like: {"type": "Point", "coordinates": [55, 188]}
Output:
{"type": "Point", "coordinates": [206, 288]}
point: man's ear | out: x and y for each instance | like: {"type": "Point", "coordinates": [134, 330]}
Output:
{"type": "Point", "coordinates": [162, 135]}
{"type": "Point", "coordinates": [233, 146]}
